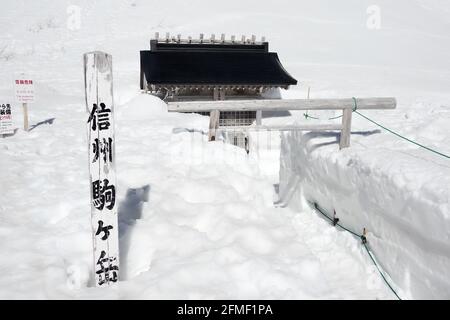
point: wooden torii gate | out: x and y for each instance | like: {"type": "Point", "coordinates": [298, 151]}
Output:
{"type": "Point", "coordinates": [346, 105]}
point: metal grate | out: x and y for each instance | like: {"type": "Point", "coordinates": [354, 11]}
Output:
{"type": "Point", "coordinates": [230, 119]}
{"type": "Point", "coordinates": [236, 118]}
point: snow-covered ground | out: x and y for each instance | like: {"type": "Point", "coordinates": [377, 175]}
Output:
{"type": "Point", "coordinates": [197, 219]}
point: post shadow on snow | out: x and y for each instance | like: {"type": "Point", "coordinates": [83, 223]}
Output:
{"type": "Point", "coordinates": [276, 188]}
{"type": "Point", "coordinates": [265, 114]}
{"type": "Point", "coordinates": [180, 130]}
{"type": "Point", "coordinates": [130, 210]}
{"type": "Point", "coordinates": [48, 121]}
{"type": "Point", "coordinates": [336, 135]}
{"type": "Point", "coordinates": [275, 114]}
{"type": "Point", "coordinates": [7, 135]}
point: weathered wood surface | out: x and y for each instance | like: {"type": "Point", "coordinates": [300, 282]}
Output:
{"type": "Point", "coordinates": [25, 116]}
{"type": "Point", "coordinates": [317, 127]}
{"type": "Point", "coordinates": [282, 105]}
{"type": "Point", "coordinates": [258, 117]}
{"type": "Point", "coordinates": [213, 124]}
{"type": "Point", "coordinates": [102, 175]}
{"type": "Point", "coordinates": [344, 141]}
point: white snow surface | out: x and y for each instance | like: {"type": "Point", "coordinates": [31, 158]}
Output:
{"type": "Point", "coordinates": [197, 219]}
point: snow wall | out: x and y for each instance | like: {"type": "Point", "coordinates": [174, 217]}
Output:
{"type": "Point", "coordinates": [408, 230]}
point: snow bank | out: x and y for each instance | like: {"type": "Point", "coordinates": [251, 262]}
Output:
{"type": "Point", "coordinates": [196, 218]}
{"type": "Point", "coordinates": [405, 208]}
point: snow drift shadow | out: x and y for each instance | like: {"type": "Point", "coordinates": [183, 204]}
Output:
{"type": "Point", "coordinates": [336, 135]}
{"type": "Point", "coordinates": [130, 210]}
{"type": "Point", "coordinates": [48, 121]}
{"type": "Point", "coordinates": [275, 114]}
{"type": "Point", "coordinates": [181, 130]}
{"type": "Point", "coordinates": [7, 135]}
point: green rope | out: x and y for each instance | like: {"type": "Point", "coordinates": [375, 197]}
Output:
{"type": "Point", "coordinates": [307, 116]}
{"type": "Point", "coordinates": [333, 118]}
{"type": "Point", "coordinates": [316, 206]}
{"type": "Point", "coordinates": [355, 105]}
{"type": "Point", "coordinates": [363, 238]}
{"type": "Point", "coordinates": [355, 109]}
{"type": "Point", "coordinates": [380, 272]}
{"type": "Point", "coordinates": [400, 136]}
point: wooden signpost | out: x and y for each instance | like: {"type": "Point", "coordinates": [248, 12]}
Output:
{"type": "Point", "coordinates": [213, 124]}
{"type": "Point", "coordinates": [100, 130]}
{"type": "Point", "coordinates": [24, 94]}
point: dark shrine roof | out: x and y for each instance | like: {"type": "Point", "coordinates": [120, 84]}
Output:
{"type": "Point", "coordinates": [213, 64]}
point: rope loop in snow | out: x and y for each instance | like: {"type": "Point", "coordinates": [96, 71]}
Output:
{"type": "Point", "coordinates": [355, 107]}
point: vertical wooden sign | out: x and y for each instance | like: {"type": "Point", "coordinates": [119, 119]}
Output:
{"type": "Point", "coordinates": [100, 130]}
{"type": "Point", "coordinates": [24, 88]}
